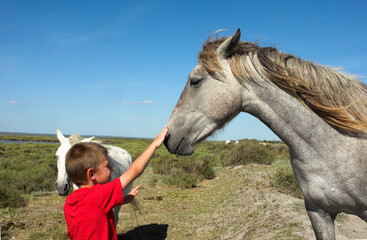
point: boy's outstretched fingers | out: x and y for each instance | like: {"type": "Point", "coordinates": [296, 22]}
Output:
{"type": "Point", "coordinates": [135, 191]}
{"type": "Point", "coordinates": [160, 138]}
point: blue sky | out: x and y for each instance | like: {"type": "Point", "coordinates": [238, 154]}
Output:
{"type": "Point", "coordinates": [118, 67]}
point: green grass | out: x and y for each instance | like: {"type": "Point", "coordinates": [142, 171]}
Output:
{"type": "Point", "coordinates": [225, 205]}
{"type": "Point", "coordinates": [220, 192]}
{"type": "Point", "coordinates": [28, 170]}
{"type": "Point", "coordinates": [31, 167]}
{"type": "Point", "coordinates": [28, 138]}
{"type": "Point", "coordinates": [25, 168]}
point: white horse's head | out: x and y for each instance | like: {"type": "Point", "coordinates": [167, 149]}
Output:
{"type": "Point", "coordinates": [63, 183]}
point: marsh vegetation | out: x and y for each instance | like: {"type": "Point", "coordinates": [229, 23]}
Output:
{"type": "Point", "coordinates": [179, 195]}
{"type": "Point", "coordinates": [31, 167]}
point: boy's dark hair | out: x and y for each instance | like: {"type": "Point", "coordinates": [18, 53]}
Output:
{"type": "Point", "coordinates": [81, 157]}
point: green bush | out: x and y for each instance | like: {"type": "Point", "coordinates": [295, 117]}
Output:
{"type": "Point", "coordinates": [206, 169]}
{"type": "Point", "coordinates": [31, 167]}
{"type": "Point", "coordinates": [250, 152]}
{"type": "Point", "coordinates": [183, 172]}
{"type": "Point", "coordinates": [10, 197]}
{"type": "Point", "coordinates": [181, 178]}
{"type": "Point", "coordinates": [284, 180]}
{"type": "Point", "coordinates": [26, 168]}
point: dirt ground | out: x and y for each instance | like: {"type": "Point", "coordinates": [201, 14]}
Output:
{"type": "Point", "coordinates": [287, 209]}
{"type": "Point", "coordinates": [238, 204]}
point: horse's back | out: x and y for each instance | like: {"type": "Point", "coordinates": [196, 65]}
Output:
{"type": "Point", "coordinates": [120, 160]}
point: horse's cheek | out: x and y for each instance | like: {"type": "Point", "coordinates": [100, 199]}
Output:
{"type": "Point", "coordinates": [221, 107]}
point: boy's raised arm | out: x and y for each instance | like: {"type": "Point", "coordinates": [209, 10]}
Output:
{"type": "Point", "coordinates": [139, 165]}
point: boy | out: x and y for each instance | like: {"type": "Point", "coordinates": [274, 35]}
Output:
{"type": "Point", "coordinates": [88, 210]}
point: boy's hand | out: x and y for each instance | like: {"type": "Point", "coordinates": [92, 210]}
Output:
{"type": "Point", "coordinates": [131, 195]}
{"type": "Point", "coordinates": [134, 191]}
{"type": "Point", "coordinates": [160, 138]}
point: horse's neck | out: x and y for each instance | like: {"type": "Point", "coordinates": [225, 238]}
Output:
{"type": "Point", "coordinates": [301, 129]}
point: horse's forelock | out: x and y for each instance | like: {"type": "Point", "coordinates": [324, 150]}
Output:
{"type": "Point", "coordinates": [207, 58]}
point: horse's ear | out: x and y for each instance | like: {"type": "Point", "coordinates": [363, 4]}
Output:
{"type": "Point", "coordinates": [225, 50]}
{"type": "Point", "coordinates": [87, 139]}
{"type": "Point", "coordinates": [60, 136]}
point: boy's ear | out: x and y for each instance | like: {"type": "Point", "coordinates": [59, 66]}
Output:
{"type": "Point", "coordinates": [90, 174]}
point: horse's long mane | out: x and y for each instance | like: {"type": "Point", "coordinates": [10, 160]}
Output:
{"type": "Point", "coordinates": [339, 99]}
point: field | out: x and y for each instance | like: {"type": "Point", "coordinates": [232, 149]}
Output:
{"type": "Point", "coordinates": [221, 192]}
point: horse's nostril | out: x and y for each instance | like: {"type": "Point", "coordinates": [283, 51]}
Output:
{"type": "Point", "coordinates": [166, 139]}
{"type": "Point", "coordinates": [65, 188]}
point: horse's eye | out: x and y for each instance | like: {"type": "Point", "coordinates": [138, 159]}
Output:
{"type": "Point", "coordinates": [195, 82]}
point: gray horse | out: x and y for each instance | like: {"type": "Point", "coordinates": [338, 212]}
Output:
{"type": "Point", "coordinates": [320, 113]}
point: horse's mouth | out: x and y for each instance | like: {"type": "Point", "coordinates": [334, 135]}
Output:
{"type": "Point", "coordinates": [180, 149]}
{"type": "Point", "coordinates": [179, 144]}
{"type": "Point", "coordinates": [166, 139]}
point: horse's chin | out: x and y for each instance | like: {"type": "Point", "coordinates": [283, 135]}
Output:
{"type": "Point", "coordinates": [62, 193]}
{"type": "Point", "coordinates": [185, 151]}
{"type": "Point", "coordinates": [178, 146]}
{"type": "Point", "coordinates": [181, 150]}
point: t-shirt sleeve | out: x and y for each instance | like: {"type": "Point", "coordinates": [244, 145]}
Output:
{"type": "Point", "coordinates": [110, 194]}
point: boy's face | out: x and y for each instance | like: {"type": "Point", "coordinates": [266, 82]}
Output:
{"type": "Point", "coordinates": [103, 172]}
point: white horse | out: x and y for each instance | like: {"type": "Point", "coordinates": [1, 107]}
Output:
{"type": "Point", "coordinates": [118, 158]}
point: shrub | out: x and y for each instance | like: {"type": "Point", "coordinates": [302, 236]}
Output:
{"type": "Point", "coordinates": [10, 197]}
{"type": "Point", "coordinates": [31, 167]}
{"type": "Point", "coordinates": [249, 152]}
{"type": "Point", "coordinates": [284, 180]}
{"type": "Point", "coordinates": [281, 150]}
{"type": "Point", "coordinates": [181, 178]}
{"type": "Point", "coordinates": [206, 170]}
{"type": "Point", "coordinates": [28, 167]}
{"type": "Point", "coordinates": [183, 172]}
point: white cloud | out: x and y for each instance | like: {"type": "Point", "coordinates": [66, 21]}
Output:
{"type": "Point", "coordinates": [13, 101]}
{"type": "Point", "coordinates": [35, 100]}
{"type": "Point", "coordinates": [142, 102]}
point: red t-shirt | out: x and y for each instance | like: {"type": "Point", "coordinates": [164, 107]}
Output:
{"type": "Point", "coordinates": [88, 211]}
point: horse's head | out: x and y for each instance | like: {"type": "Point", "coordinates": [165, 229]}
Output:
{"type": "Point", "coordinates": [63, 183]}
{"type": "Point", "coordinates": [211, 98]}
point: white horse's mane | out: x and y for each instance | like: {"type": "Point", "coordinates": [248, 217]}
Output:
{"type": "Point", "coordinates": [76, 138]}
